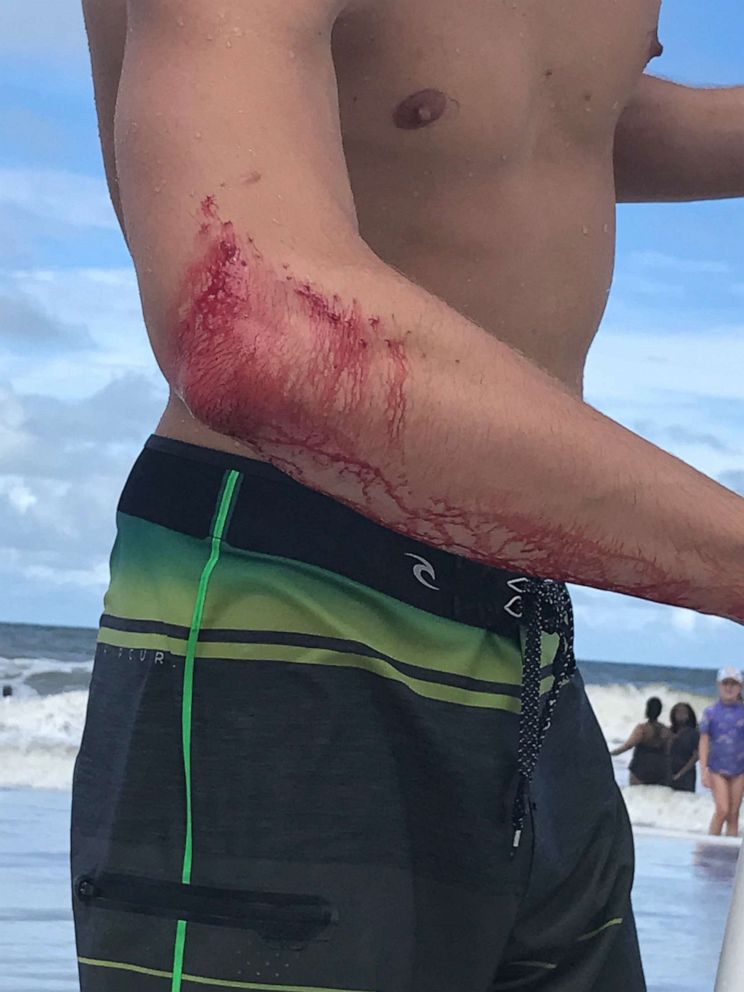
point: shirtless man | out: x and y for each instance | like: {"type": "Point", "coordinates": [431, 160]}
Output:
{"type": "Point", "coordinates": [336, 738]}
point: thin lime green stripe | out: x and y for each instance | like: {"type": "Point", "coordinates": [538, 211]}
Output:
{"type": "Point", "coordinates": [295, 655]}
{"type": "Point", "coordinates": [290, 655]}
{"type": "Point", "coordinates": [218, 983]}
{"type": "Point", "coordinates": [595, 933]}
{"type": "Point", "coordinates": [202, 980]}
{"type": "Point", "coordinates": [218, 530]}
{"type": "Point", "coordinates": [121, 966]}
{"type": "Point", "coordinates": [248, 650]}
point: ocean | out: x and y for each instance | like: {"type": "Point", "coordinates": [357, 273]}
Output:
{"type": "Point", "coordinates": [46, 671]}
{"type": "Point", "coordinates": [683, 879]}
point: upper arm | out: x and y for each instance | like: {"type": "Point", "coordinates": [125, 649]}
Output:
{"type": "Point", "coordinates": [233, 106]}
{"type": "Point", "coordinates": [106, 26]}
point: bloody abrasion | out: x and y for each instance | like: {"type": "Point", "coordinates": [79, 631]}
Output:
{"type": "Point", "coordinates": [274, 361]}
{"type": "Point", "coordinates": [257, 349]}
{"type": "Point", "coordinates": [239, 327]}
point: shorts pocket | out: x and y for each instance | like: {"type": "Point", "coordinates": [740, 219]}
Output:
{"type": "Point", "coordinates": [271, 915]}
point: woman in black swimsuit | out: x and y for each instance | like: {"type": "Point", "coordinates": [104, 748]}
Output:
{"type": "Point", "coordinates": [650, 741]}
{"type": "Point", "coordinates": [683, 748]}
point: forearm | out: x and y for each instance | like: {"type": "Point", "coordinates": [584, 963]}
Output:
{"type": "Point", "coordinates": [688, 766]}
{"type": "Point", "coordinates": [341, 371]}
{"type": "Point", "coordinates": [366, 387]}
{"type": "Point", "coordinates": [704, 752]}
{"type": "Point", "coordinates": [677, 142]}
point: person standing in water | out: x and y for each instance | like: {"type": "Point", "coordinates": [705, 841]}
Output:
{"type": "Point", "coordinates": [722, 752]}
{"type": "Point", "coordinates": [683, 748]}
{"type": "Point", "coordinates": [650, 741]}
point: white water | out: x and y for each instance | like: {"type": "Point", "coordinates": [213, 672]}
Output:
{"type": "Point", "coordinates": [39, 737]}
{"type": "Point", "coordinates": [620, 707]}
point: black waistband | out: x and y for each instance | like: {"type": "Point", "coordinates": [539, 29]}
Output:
{"type": "Point", "coordinates": [177, 485]}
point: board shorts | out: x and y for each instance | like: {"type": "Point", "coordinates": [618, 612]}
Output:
{"type": "Point", "coordinates": [320, 756]}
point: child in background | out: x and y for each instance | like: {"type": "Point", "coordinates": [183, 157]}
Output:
{"type": "Point", "coordinates": [722, 752]}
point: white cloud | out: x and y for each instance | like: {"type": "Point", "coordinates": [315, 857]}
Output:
{"type": "Point", "coordinates": [68, 198]}
{"type": "Point", "coordinates": [640, 365]}
{"type": "Point", "coordinates": [12, 420]}
{"type": "Point", "coordinates": [101, 306]}
{"type": "Point", "coordinates": [25, 324]}
{"type": "Point", "coordinates": [61, 439]}
{"type": "Point", "coordinates": [20, 496]}
{"type": "Point", "coordinates": [95, 577]}
{"type": "Point", "coordinates": [62, 467]}
{"type": "Point", "coordinates": [684, 393]}
{"type": "Point", "coordinates": [685, 621]}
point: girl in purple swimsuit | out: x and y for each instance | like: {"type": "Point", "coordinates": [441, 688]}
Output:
{"type": "Point", "coordinates": [722, 751]}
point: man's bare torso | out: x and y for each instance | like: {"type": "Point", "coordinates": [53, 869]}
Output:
{"type": "Point", "coordinates": [479, 143]}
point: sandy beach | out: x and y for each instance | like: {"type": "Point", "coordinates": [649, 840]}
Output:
{"type": "Point", "coordinates": [682, 892]}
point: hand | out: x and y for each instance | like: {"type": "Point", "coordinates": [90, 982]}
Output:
{"type": "Point", "coordinates": [706, 777]}
{"type": "Point", "coordinates": [676, 777]}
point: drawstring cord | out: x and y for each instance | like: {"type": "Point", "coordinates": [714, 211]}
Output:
{"type": "Point", "coordinates": [546, 609]}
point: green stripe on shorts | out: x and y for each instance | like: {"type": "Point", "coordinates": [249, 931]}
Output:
{"type": "Point", "coordinates": [155, 572]}
{"type": "Point", "coordinates": [203, 980]}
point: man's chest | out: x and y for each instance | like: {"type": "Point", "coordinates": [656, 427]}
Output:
{"type": "Point", "coordinates": [497, 76]}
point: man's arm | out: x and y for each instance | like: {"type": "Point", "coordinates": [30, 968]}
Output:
{"type": "Point", "coordinates": [106, 25]}
{"type": "Point", "coordinates": [280, 327]}
{"type": "Point", "coordinates": [677, 142]}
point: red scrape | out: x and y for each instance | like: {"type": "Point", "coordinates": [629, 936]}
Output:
{"type": "Point", "coordinates": [275, 361]}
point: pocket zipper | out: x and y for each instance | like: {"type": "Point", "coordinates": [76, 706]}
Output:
{"type": "Point", "coordinates": [272, 915]}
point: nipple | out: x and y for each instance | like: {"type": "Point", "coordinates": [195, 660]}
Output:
{"type": "Point", "coordinates": [655, 47]}
{"type": "Point", "coordinates": [420, 109]}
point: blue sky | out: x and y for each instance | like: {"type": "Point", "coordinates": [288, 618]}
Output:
{"type": "Point", "coordinates": [79, 390]}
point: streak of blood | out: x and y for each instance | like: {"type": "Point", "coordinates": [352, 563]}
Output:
{"type": "Point", "coordinates": [276, 362]}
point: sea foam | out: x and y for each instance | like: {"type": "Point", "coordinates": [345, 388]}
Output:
{"type": "Point", "coordinates": [40, 735]}
{"type": "Point", "coordinates": [39, 738]}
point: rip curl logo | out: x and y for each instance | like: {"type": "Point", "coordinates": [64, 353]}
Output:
{"type": "Point", "coordinates": [515, 607]}
{"type": "Point", "coordinates": [423, 570]}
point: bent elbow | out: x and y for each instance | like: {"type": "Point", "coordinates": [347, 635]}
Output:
{"type": "Point", "coordinates": [261, 354]}
{"type": "Point", "coordinates": [232, 327]}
